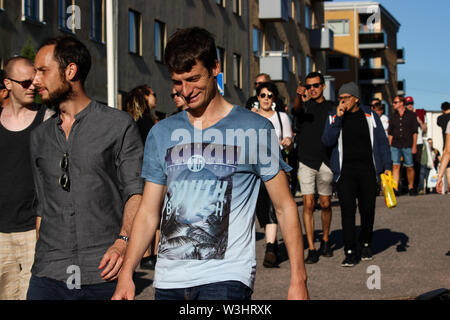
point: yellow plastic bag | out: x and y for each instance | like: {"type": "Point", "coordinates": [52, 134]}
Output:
{"type": "Point", "coordinates": [388, 183]}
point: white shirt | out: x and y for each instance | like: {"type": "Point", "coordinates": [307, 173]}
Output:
{"type": "Point", "coordinates": [287, 131]}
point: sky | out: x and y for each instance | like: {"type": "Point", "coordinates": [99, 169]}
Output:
{"type": "Point", "coordinates": [425, 35]}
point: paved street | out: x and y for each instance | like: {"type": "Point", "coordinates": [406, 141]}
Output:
{"type": "Point", "coordinates": [411, 253]}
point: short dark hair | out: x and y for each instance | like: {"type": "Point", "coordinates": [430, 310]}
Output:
{"type": "Point", "coordinates": [445, 106]}
{"type": "Point", "coordinates": [69, 49]}
{"type": "Point", "coordinates": [269, 86]}
{"type": "Point", "coordinates": [315, 74]}
{"type": "Point", "coordinates": [187, 46]}
{"type": "Point", "coordinates": [2, 77]}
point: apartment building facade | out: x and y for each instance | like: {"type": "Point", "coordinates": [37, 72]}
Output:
{"type": "Point", "coordinates": [287, 42]}
{"type": "Point", "coordinates": [365, 49]}
{"type": "Point", "coordinates": [140, 30]}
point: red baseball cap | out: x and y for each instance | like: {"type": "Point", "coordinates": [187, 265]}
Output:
{"type": "Point", "coordinates": [409, 100]}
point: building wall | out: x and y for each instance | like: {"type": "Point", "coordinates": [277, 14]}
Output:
{"type": "Point", "coordinates": [14, 34]}
{"type": "Point", "coordinates": [350, 45]}
{"type": "Point", "coordinates": [230, 30]}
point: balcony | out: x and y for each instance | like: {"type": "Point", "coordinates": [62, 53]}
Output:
{"type": "Point", "coordinates": [321, 39]}
{"type": "Point", "coordinates": [374, 76]}
{"type": "Point", "coordinates": [273, 10]}
{"type": "Point", "coordinates": [372, 40]}
{"type": "Point", "coordinates": [401, 87]}
{"type": "Point", "coordinates": [275, 64]}
{"type": "Point", "coordinates": [401, 56]}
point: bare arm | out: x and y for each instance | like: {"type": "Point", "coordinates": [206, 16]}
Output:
{"type": "Point", "coordinates": [113, 258]}
{"type": "Point", "coordinates": [288, 219]}
{"type": "Point", "coordinates": [38, 226]}
{"type": "Point", "coordinates": [143, 231]}
{"type": "Point", "coordinates": [414, 145]}
{"type": "Point", "coordinates": [445, 159]}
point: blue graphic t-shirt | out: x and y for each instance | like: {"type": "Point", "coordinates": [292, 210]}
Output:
{"type": "Point", "coordinates": [212, 178]}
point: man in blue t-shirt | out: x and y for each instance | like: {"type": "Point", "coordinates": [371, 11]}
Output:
{"type": "Point", "coordinates": [203, 168]}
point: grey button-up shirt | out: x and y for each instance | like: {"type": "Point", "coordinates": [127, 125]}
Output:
{"type": "Point", "coordinates": [105, 161]}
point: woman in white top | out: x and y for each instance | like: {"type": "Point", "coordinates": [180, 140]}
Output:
{"type": "Point", "coordinates": [267, 93]}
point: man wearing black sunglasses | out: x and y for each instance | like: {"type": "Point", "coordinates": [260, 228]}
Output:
{"type": "Point", "coordinates": [314, 159]}
{"type": "Point", "coordinates": [19, 115]}
{"type": "Point", "coordinates": [86, 165]}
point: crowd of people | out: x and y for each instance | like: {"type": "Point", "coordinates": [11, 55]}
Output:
{"type": "Point", "coordinates": [98, 191]}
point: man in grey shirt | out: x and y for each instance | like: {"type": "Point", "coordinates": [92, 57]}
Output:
{"type": "Point", "coordinates": [86, 165]}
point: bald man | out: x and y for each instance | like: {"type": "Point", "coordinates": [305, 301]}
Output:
{"type": "Point", "coordinates": [18, 117]}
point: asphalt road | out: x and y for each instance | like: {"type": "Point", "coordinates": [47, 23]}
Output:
{"type": "Point", "coordinates": [411, 257]}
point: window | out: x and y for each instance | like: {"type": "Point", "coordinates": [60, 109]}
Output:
{"type": "Point", "coordinates": [134, 32]}
{"type": "Point", "coordinates": [291, 9]}
{"type": "Point", "coordinates": [339, 27]}
{"type": "Point", "coordinates": [160, 38]}
{"type": "Point", "coordinates": [2, 6]}
{"type": "Point", "coordinates": [222, 62]}
{"type": "Point", "coordinates": [291, 60]}
{"type": "Point", "coordinates": [338, 63]}
{"type": "Point", "coordinates": [309, 64]}
{"type": "Point", "coordinates": [298, 63]}
{"type": "Point", "coordinates": [257, 42]}
{"type": "Point", "coordinates": [32, 10]}
{"type": "Point", "coordinates": [297, 11]}
{"type": "Point", "coordinates": [308, 17]}
{"type": "Point", "coordinates": [98, 20]}
{"type": "Point", "coordinates": [367, 63]}
{"type": "Point", "coordinates": [237, 7]}
{"type": "Point", "coordinates": [220, 3]}
{"type": "Point", "coordinates": [237, 79]}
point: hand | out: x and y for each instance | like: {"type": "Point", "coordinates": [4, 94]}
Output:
{"type": "Point", "coordinates": [125, 289]}
{"type": "Point", "coordinates": [301, 90]}
{"type": "Point", "coordinates": [112, 260]}
{"type": "Point", "coordinates": [298, 292]}
{"type": "Point", "coordinates": [439, 185]}
{"type": "Point", "coordinates": [414, 149]}
{"type": "Point", "coordinates": [340, 110]}
{"type": "Point", "coordinates": [386, 172]}
{"type": "Point", "coordinates": [286, 143]}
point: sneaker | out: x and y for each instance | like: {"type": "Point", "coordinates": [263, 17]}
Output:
{"type": "Point", "coordinates": [313, 256]}
{"type": "Point", "coordinates": [325, 249]}
{"type": "Point", "coordinates": [350, 259]}
{"type": "Point", "coordinates": [148, 263]}
{"type": "Point", "coordinates": [366, 252]}
{"type": "Point", "coordinates": [421, 192]}
{"type": "Point", "coordinates": [412, 192]}
{"type": "Point", "coordinates": [270, 258]}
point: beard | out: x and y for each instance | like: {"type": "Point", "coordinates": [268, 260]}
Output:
{"type": "Point", "coordinates": [61, 94]}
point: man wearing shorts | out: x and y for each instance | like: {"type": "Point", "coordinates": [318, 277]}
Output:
{"type": "Point", "coordinates": [403, 140]}
{"type": "Point", "coordinates": [314, 168]}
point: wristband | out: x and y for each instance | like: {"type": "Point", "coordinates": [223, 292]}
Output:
{"type": "Point", "coordinates": [124, 238]}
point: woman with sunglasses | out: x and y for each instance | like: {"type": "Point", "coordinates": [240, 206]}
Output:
{"type": "Point", "coordinates": [266, 94]}
{"type": "Point", "coordinates": [140, 103]}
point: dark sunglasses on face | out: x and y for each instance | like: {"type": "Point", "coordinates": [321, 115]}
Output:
{"type": "Point", "coordinates": [173, 95]}
{"type": "Point", "coordinates": [315, 85]}
{"type": "Point", "coordinates": [25, 83]}
{"type": "Point", "coordinates": [376, 104]}
{"type": "Point", "coordinates": [64, 180]}
{"type": "Point", "coordinates": [269, 95]}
